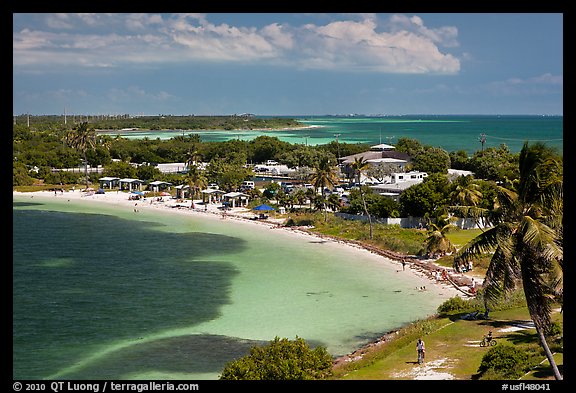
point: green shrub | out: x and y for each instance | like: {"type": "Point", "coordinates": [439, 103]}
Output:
{"type": "Point", "coordinates": [63, 177]}
{"type": "Point", "coordinates": [554, 330]}
{"type": "Point", "coordinates": [282, 359]}
{"type": "Point", "coordinates": [505, 362]}
{"type": "Point", "coordinates": [454, 305]}
{"type": "Point", "coordinates": [299, 222]}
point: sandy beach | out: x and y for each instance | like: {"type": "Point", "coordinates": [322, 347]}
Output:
{"type": "Point", "coordinates": [458, 283]}
{"type": "Point", "coordinates": [169, 205]}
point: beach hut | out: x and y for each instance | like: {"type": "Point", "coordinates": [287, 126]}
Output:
{"type": "Point", "coordinates": [108, 181]}
{"type": "Point", "coordinates": [212, 196]}
{"type": "Point", "coordinates": [236, 199]}
{"type": "Point", "coordinates": [130, 184]}
{"type": "Point", "coordinates": [158, 185]}
{"type": "Point", "coordinates": [182, 191]}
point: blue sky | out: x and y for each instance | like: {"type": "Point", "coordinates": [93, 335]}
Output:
{"type": "Point", "coordinates": [288, 64]}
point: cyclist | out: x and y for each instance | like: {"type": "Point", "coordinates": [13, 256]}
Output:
{"type": "Point", "coordinates": [488, 340]}
{"type": "Point", "coordinates": [421, 349]}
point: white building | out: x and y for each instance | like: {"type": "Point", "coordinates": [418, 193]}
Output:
{"type": "Point", "coordinates": [398, 183]}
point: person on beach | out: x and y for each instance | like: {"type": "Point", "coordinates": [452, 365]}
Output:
{"type": "Point", "coordinates": [403, 264]}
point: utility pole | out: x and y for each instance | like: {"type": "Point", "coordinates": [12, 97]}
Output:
{"type": "Point", "coordinates": [482, 140]}
{"type": "Point", "coordinates": [338, 146]}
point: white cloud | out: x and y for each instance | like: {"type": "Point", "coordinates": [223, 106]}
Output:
{"type": "Point", "coordinates": [540, 84]}
{"type": "Point", "coordinates": [356, 43]}
{"type": "Point", "coordinates": [445, 35]}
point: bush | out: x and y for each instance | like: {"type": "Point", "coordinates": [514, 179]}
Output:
{"type": "Point", "coordinates": [554, 330]}
{"type": "Point", "coordinates": [505, 362]}
{"type": "Point", "coordinates": [299, 222]}
{"type": "Point", "coordinates": [63, 177]}
{"type": "Point", "coordinates": [20, 176]}
{"type": "Point", "coordinates": [454, 305]}
{"type": "Point", "coordinates": [282, 359]}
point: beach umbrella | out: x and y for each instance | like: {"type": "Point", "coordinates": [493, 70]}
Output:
{"type": "Point", "coordinates": [137, 193]}
{"type": "Point", "coordinates": [165, 193]}
{"type": "Point", "coordinates": [263, 207]}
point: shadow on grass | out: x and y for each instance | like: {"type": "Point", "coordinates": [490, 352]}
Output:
{"type": "Point", "coordinates": [544, 371]}
{"type": "Point", "coordinates": [521, 337]}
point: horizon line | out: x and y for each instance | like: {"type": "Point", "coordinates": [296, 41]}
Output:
{"type": "Point", "coordinates": [293, 115]}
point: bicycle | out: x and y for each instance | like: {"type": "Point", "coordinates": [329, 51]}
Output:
{"type": "Point", "coordinates": [487, 341]}
{"type": "Point", "coordinates": [420, 356]}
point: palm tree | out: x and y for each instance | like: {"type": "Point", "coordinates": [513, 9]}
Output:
{"type": "Point", "coordinates": [466, 192]}
{"type": "Point", "coordinates": [196, 181]}
{"type": "Point", "coordinates": [526, 238]}
{"type": "Point", "coordinates": [358, 166]}
{"type": "Point", "coordinates": [82, 139]}
{"type": "Point", "coordinates": [437, 242]}
{"type": "Point", "coordinates": [192, 158]}
{"type": "Point", "coordinates": [466, 196]}
{"type": "Point", "coordinates": [333, 202]}
{"type": "Point", "coordinates": [324, 175]}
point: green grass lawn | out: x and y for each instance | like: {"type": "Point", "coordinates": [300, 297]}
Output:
{"type": "Point", "coordinates": [460, 237]}
{"type": "Point", "coordinates": [453, 350]}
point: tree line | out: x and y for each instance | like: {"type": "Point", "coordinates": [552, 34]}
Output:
{"type": "Point", "coordinates": [38, 150]}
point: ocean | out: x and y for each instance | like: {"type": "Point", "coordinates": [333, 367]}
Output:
{"type": "Point", "coordinates": [100, 292]}
{"type": "Point", "coordinates": [450, 132]}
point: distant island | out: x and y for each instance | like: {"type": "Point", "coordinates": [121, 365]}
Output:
{"type": "Point", "coordinates": [103, 123]}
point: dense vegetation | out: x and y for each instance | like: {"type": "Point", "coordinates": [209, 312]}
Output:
{"type": "Point", "coordinates": [281, 359]}
{"type": "Point", "coordinates": [42, 147]}
{"type": "Point", "coordinates": [161, 122]}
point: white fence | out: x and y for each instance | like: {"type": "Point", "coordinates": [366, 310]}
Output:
{"type": "Point", "coordinates": [80, 169]}
{"type": "Point", "coordinates": [412, 222]}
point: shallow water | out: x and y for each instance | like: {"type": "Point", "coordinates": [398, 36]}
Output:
{"type": "Point", "coordinates": [103, 292]}
{"type": "Point", "coordinates": [450, 132]}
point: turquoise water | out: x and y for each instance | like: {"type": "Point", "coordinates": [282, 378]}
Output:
{"type": "Point", "coordinates": [102, 292]}
{"type": "Point", "coordinates": [450, 132]}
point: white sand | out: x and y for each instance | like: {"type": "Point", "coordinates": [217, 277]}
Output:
{"type": "Point", "coordinates": [211, 211]}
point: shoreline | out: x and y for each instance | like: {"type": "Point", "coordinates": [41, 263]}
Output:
{"type": "Point", "coordinates": [413, 265]}
{"type": "Point", "coordinates": [304, 127]}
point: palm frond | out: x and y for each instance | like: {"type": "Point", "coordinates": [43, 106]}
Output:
{"type": "Point", "coordinates": [502, 275]}
{"type": "Point", "coordinates": [481, 244]}
{"type": "Point", "coordinates": [540, 237]}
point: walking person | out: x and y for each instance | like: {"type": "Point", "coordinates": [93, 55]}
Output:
{"type": "Point", "coordinates": [421, 349]}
